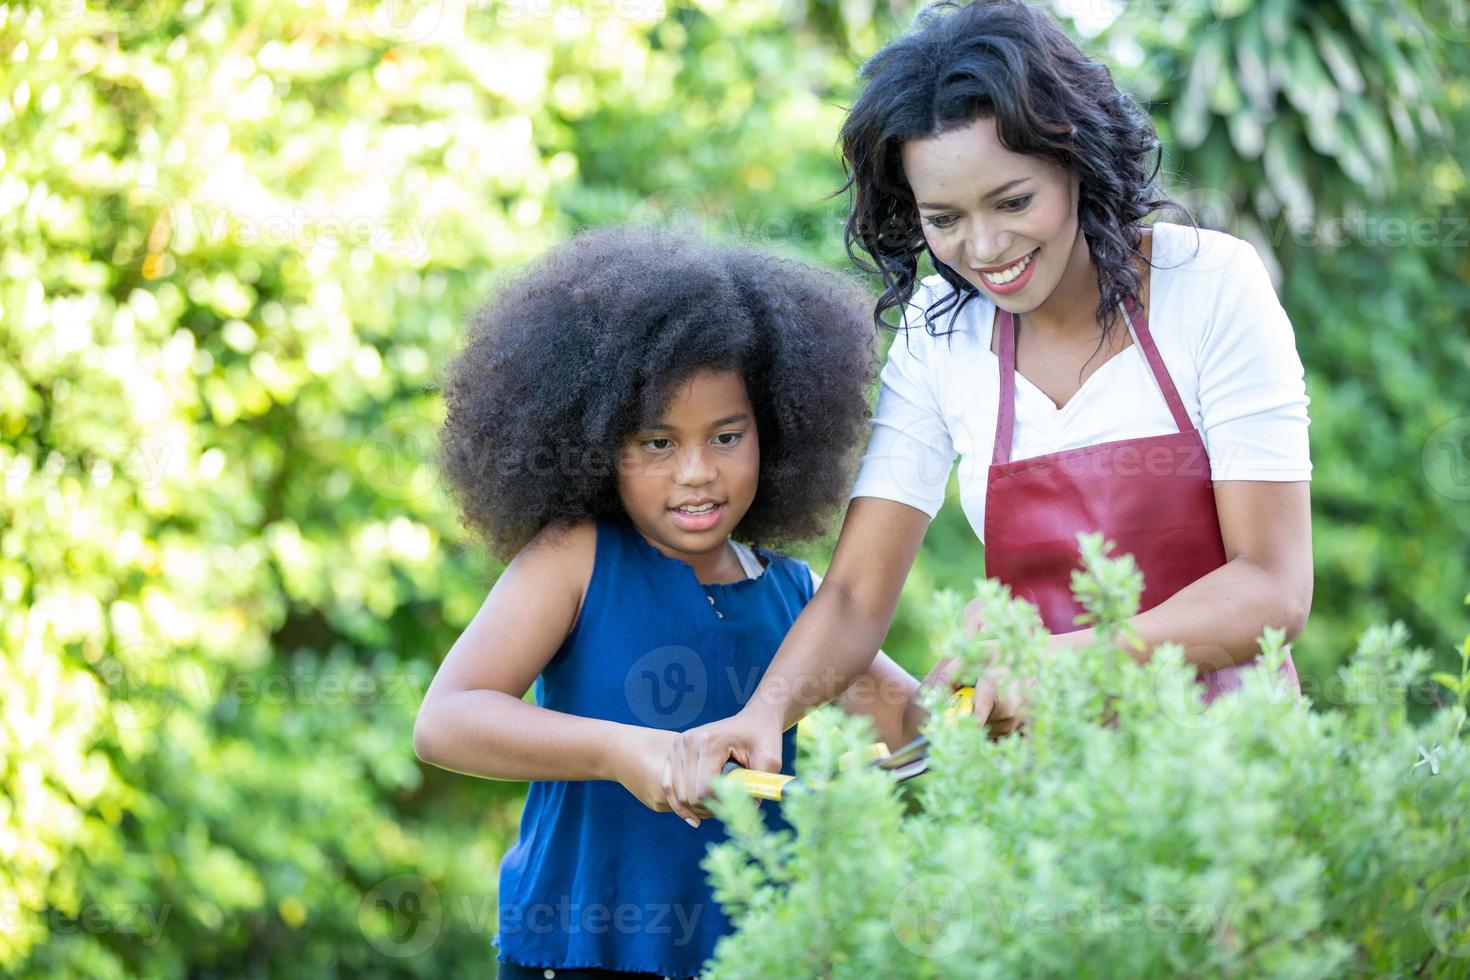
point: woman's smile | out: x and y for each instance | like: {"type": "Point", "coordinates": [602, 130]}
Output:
{"type": "Point", "coordinates": [1010, 278]}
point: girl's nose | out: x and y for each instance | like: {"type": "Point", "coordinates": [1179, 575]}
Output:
{"type": "Point", "coordinates": [695, 467]}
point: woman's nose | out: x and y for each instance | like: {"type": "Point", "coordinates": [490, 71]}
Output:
{"type": "Point", "coordinates": [989, 244]}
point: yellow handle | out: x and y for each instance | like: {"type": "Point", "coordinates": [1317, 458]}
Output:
{"type": "Point", "coordinates": [761, 785]}
{"type": "Point", "coordinates": [769, 785]}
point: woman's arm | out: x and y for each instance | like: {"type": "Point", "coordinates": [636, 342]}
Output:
{"type": "Point", "coordinates": [832, 642]}
{"type": "Point", "coordinates": [473, 719]}
{"type": "Point", "coordinates": [1266, 581]}
{"type": "Point", "coordinates": [887, 695]}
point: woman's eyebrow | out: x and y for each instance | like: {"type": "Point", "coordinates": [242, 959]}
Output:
{"type": "Point", "coordinates": [999, 190]}
{"type": "Point", "coordinates": [727, 420]}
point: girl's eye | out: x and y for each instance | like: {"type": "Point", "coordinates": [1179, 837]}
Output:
{"type": "Point", "coordinates": [657, 445]}
{"type": "Point", "coordinates": [1019, 202]}
{"type": "Point", "coordinates": [729, 438]}
{"type": "Point", "coordinates": [941, 221]}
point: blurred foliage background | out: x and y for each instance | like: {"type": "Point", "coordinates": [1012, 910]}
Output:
{"type": "Point", "coordinates": [236, 243]}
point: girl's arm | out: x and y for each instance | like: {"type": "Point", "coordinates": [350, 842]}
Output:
{"type": "Point", "coordinates": [888, 695]}
{"type": "Point", "coordinates": [473, 719]}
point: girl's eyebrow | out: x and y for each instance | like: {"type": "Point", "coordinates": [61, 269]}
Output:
{"type": "Point", "coordinates": [727, 420]}
{"type": "Point", "coordinates": [999, 190]}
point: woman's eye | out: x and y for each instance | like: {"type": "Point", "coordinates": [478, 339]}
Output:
{"type": "Point", "coordinates": [728, 438]}
{"type": "Point", "coordinates": [941, 221]}
{"type": "Point", "coordinates": [1019, 202]}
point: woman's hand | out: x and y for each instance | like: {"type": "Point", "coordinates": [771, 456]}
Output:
{"type": "Point", "coordinates": [696, 757]}
{"type": "Point", "coordinates": [1000, 715]}
{"type": "Point", "coordinates": [1000, 702]}
{"type": "Point", "coordinates": [637, 760]}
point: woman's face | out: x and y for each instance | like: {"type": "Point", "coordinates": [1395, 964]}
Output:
{"type": "Point", "coordinates": [1005, 222]}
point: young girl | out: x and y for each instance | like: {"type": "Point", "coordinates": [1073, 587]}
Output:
{"type": "Point", "coordinates": [619, 416]}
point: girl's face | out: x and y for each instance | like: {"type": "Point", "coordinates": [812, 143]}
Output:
{"type": "Point", "coordinates": [686, 479]}
{"type": "Point", "coordinates": [1005, 222]}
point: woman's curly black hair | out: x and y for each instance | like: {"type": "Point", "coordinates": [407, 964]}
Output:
{"type": "Point", "coordinates": [1000, 59]}
{"type": "Point", "coordinates": [594, 338]}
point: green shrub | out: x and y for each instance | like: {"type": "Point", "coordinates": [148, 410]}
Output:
{"type": "Point", "coordinates": [1250, 838]}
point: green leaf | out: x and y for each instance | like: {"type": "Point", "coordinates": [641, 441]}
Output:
{"type": "Point", "coordinates": [1339, 59]}
{"type": "Point", "coordinates": [1448, 680]}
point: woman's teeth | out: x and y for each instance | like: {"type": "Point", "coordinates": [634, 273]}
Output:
{"type": "Point", "coordinates": [1009, 274]}
{"type": "Point", "coordinates": [701, 509]}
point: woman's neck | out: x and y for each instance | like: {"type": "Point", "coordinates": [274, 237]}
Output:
{"type": "Point", "coordinates": [1070, 313]}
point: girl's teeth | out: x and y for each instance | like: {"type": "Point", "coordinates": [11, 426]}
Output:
{"type": "Point", "coordinates": [1001, 278]}
{"type": "Point", "coordinates": [703, 509]}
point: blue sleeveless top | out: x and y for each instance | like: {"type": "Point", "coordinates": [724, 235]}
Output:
{"type": "Point", "coordinates": [596, 878]}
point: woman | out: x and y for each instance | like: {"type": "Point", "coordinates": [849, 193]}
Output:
{"type": "Point", "coordinates": [1090, 373]}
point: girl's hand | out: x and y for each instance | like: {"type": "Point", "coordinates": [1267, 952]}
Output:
{"type": "Point", "coordinates": [697, 756]}
{"type": "Point", "coordinates": [638, 758]}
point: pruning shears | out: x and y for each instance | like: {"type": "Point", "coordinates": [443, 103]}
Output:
{"type": "Point", "coordinates": [905, 764]}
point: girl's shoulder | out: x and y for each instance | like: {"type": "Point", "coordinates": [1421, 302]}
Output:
{"type": "Point", "coordinates": [561, 556]}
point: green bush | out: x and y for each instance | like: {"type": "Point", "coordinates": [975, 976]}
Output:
{"type": "Point", "coordinates": [1132, 833]}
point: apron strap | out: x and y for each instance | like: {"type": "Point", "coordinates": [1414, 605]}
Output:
{"type": "Point", "coordinates": [1144, 339]}
{"type": "Point", "coordinates": [1005, 417]}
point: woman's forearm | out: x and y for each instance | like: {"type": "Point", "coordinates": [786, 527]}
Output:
{"type": "Point", "coordinates": [830, 645]}
{"type": "Point", "coordinates": [496, 736]}
{"type": "Point", "coordinates": [1216, 618]}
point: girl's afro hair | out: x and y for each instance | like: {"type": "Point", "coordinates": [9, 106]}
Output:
{"type": "Point", "coordinates": [593, 338]}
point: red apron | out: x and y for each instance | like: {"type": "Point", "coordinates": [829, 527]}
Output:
{"type": "Point", "coordinates": [1152, 497]}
